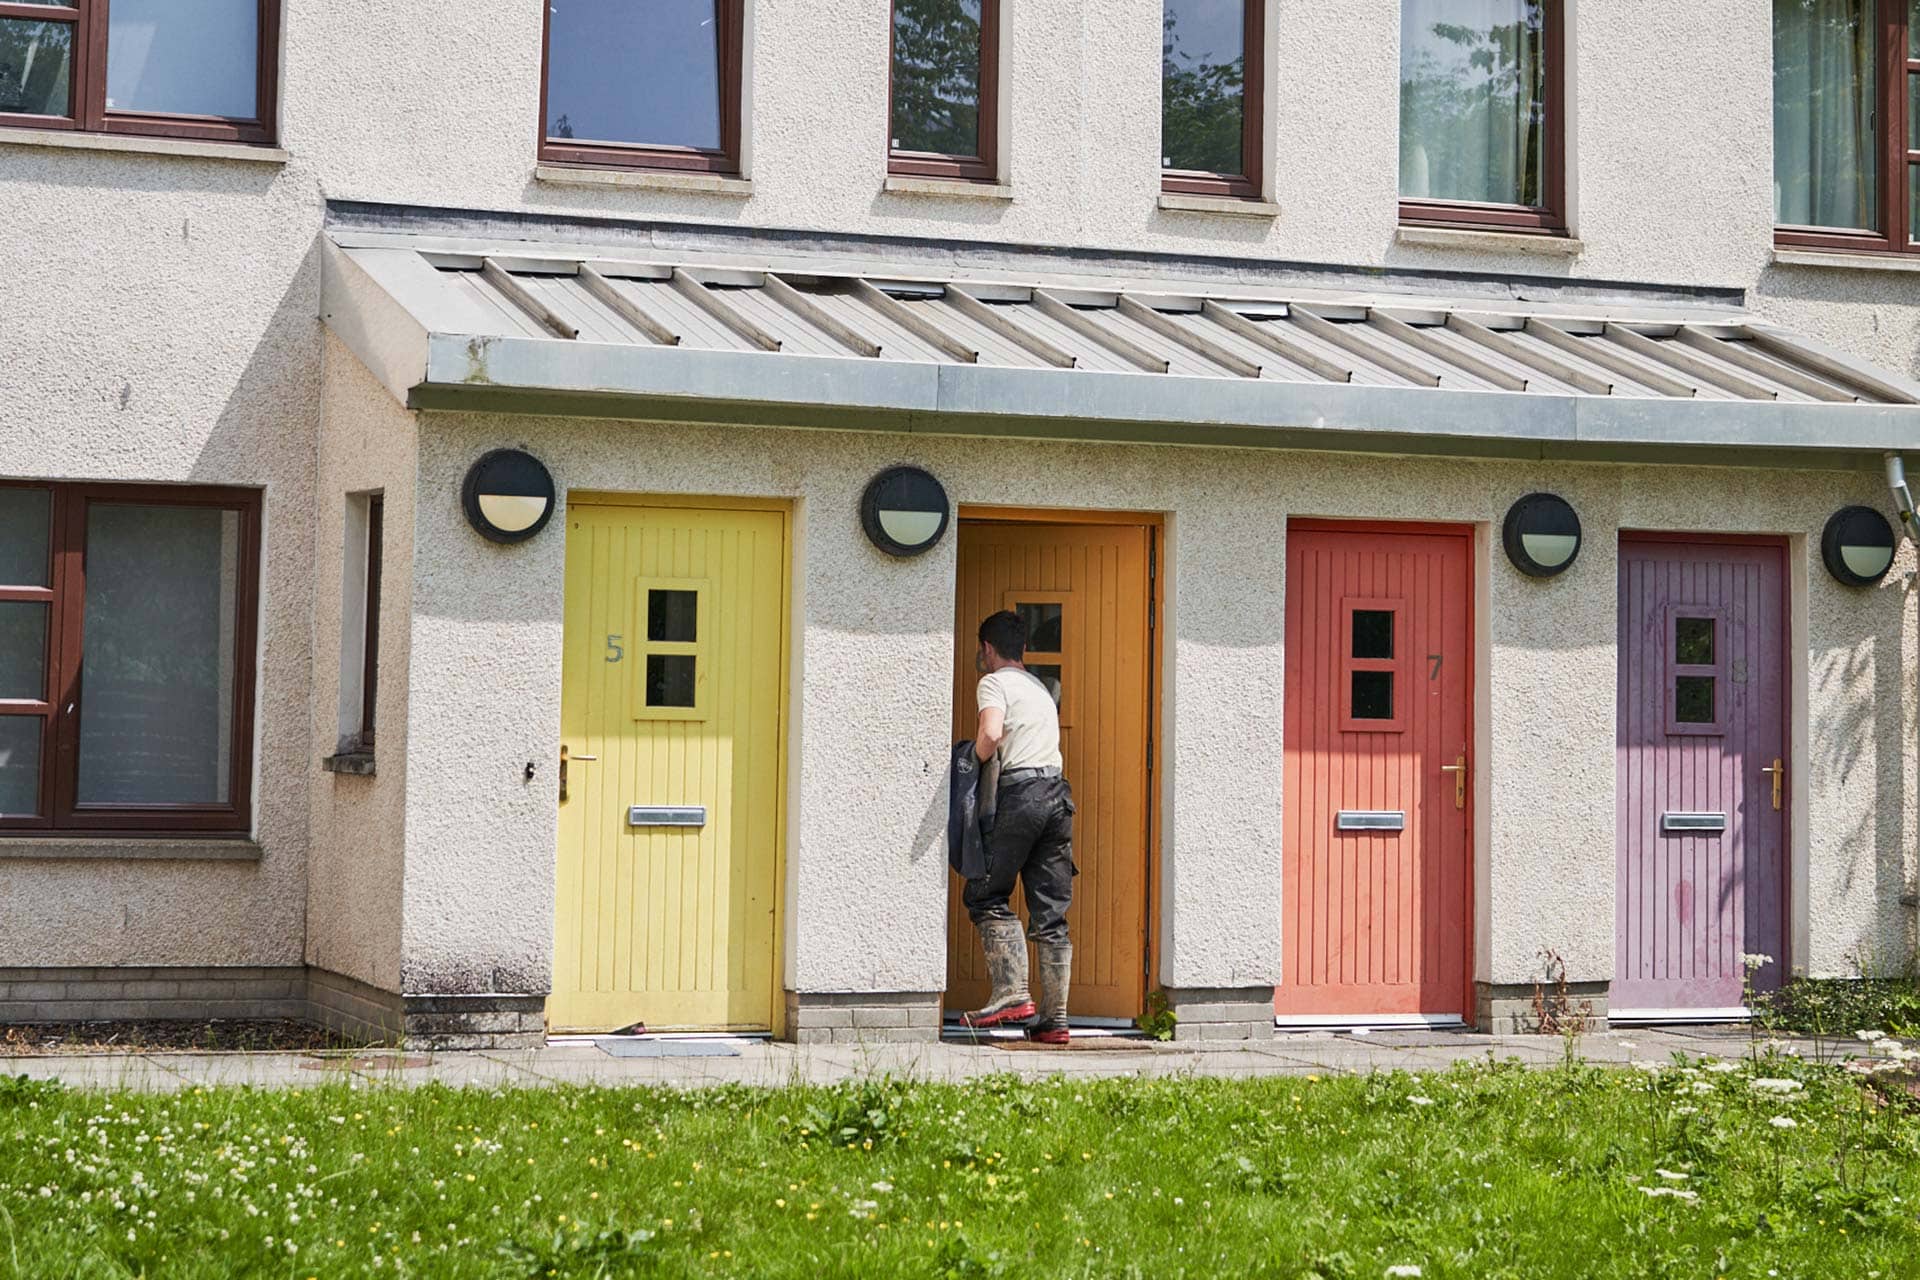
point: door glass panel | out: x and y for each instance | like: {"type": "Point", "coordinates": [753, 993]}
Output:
{"type": "Point", "coordinates": [23, 649]}
{"type": "Point", "coordinates": [1372, 633]}
{"type": "Point", "coordinates": [186, 57]}
{"type": "Point", "coordinates": [670, 679]}
{"type": "Point", "coordinates": [1693, 642]}
{"type": "Point", "coordinates": [19, 765]}
{"type": "Point", "coordinates": [1373, 695]}
{"type": "Point", "coordinates": [1473, 100]}
{"type": "Point", "coordinates": [1048, 673]}
{"type": "Point", "coordinates": [1825, 162]}
{"type": "Point", "coordinates": [1693, 699]}
{"type": "Point", "coordinates": [35, 62]}
{"type": "Point", "coordinates": [1203, 85]}
{"type": "Point", "coordinates": [936, 76]}
{"type": "Point", "coordinates": [157, 657]}
{"type": "Point", "coordinates": [1044, 627]}
{"type": "Point", "coordinates": [645, 74]}
{"type": "Point", "coordinates": [673, 615]}
{"type": "Point", "coordinates": [23, 537]}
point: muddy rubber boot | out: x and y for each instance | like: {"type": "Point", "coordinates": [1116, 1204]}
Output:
{"type": "Point", "coordinates": [1009, 1001]}
{"type": "Point", "coordinates": [1056, 976]}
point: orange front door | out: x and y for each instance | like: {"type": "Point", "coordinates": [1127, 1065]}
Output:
{"type": "Point", "coordinates": [1377, 864]}
{"type": "Point", "coordinates": [1085, 590]}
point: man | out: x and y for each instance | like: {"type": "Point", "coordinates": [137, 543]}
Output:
{"type": "Point", "coordinates": [1032, 838]}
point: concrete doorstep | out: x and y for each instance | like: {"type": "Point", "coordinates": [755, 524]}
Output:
{"type": "Point", "coordinates": [580, 1060]}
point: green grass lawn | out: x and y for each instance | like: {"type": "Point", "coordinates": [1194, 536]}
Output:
{"type": "Point", "coordinates": [1700, 1170]}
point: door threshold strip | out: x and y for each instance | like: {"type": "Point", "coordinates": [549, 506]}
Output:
{"type": "Point", "coordinates": [954, 1031]}
{"type": "Point", "coordinates": [744, 1037]}
{"type": "Point", "coordinates": [1370, 1022]}
{"type": "Point", "coordinates": [1733, 1013]}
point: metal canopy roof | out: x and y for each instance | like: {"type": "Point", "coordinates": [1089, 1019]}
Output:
{"type": "Point", "coordinates": [449, 325]}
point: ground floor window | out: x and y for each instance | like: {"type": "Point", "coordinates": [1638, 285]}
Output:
{"type": "Point", "coordinates": [126, 657]}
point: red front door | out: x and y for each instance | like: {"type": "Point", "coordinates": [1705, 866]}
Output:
{"type": "Point", "coordinates": [1377, 863]}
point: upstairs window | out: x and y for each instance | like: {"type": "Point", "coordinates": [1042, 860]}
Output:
{"type": "Point", "coordinates": [1210, 83]}
{"type": "Point", "coordinates": [642, 86]}
{"type": "Point", "coordinates": [1482, 133]}
{"type": "Point", "coordinates": [200, 69]}
{"type": "Point", "coordinates": [1846, 171]}
{"type": "Point", "coordinates": [946, 75]}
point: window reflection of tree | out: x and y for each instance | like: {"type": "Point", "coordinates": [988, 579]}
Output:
{"type": "Point", "coordinates": [936, 76]}
{"type": "Point", "coordinates": [1200, 105]}
{"type": "Point", "coordinates": [34, 62]}
{"type": "Point", "coordinates": [1473, 108]}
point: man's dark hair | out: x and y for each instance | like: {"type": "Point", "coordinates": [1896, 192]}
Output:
{"type": "Point", "coordinates": [1006, 631]}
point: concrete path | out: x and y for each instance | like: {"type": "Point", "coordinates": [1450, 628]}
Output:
{"type": "Point", "coordinates": [772, 1063]}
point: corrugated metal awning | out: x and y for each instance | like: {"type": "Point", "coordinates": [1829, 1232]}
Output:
{"type": "Point", "coordinates": [526, 329]}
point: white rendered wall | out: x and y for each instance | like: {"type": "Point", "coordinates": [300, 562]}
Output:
{"type": "Point", "coordinates": [159, 316]}
{"type": "Point", "coordinates": [866, 873]}
{"type": "Point", "coordinates": [355, 866]}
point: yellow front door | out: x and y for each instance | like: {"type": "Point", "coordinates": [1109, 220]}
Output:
{"type": "Point", "coordinates": [670, 818]}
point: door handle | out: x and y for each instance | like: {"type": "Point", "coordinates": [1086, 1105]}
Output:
{"type": "Point", "coordinates": [1779, 771]}
{"type": "Point", "coordinates": [564, 759]}
{"type": "Point", "coordinates": [1459, 771]}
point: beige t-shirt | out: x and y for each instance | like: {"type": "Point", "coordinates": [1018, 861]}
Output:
{"type": "Point", "coordinates": [1032, 723]}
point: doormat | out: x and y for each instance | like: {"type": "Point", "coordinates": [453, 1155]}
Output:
{"type": "Point", "coordinates": [668, 1048]}
{"type": "Point", "coordinates": [1078, 1044]}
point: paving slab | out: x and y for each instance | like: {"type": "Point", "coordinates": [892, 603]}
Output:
{"type": "Point", "coordinates": [773, 1064]}
{"type": "Point", "coordinates": [94, 1071]}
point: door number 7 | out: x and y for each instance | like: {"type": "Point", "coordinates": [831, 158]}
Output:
{"type": "Point", "coordinates": [1434, 674]}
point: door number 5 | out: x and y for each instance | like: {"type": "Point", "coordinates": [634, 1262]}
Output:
{"type": "Point", "coordinates": [614, 651]}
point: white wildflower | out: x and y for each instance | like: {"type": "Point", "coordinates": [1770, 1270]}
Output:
{"type": "Point", "coordinates": [1419, 1101]}
{"type": "Point", "coordinates": [1869, 1037]}
{"type": "Point", "coordinates": [1753, 961]}
{"type": "Point", "coordinates": [1768, 1084]}
{"type": "Point", "coordinates": [1721, 1066]}
{"type": "Point", "coordinates": [883, 1187]}
{"type": "Point", "coordinates": [1784, 1122]}
{"type": "Point", "coordinates": [1677, 1193]}
{"type": "Point", "coordinates": [1886, 1044]}
{"type": "Point", "coordinates": [1403, 1269]}
{"type": "Point", "coordinates": [1671, 1175]}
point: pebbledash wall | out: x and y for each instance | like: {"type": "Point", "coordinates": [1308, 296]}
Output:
{"type": "Point", "coordinates": [162, 325]}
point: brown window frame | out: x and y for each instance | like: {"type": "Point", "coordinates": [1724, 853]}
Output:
{"type": "Point", "coordinates": [731, 16]}
{"type": "Point", "coordinates": [87, 83]}
{"type": "Point", "coordinates": [1549, 219]}
{"type": "Point", "coordinates": [1893, 157]}
{"type": "Point", "coordinates": [983, 167]}
{"type": "Point", "coordinates": [60, 813]}
{"type": "Point", "coordinates": [1253, 116]}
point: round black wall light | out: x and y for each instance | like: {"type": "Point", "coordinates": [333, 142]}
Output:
{"type": "Point", "coordinates": [507, 495]}
{"type": "Point", "coordinates": [904, 511]}
{"type": "Point", "coordinates": [1857, 546]}
{"type": "Point", "coordinates": [1542, 535]}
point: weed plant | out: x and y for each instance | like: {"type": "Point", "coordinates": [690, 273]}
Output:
{"type": "Point", "coordinates": [1754, 1168]}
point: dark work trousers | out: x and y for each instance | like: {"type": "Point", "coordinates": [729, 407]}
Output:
{"type": "Point", "coordinates": [1032, 838]}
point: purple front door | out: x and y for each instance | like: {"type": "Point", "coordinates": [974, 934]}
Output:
{"type": "Point", "coordinates": [1702, 732]}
